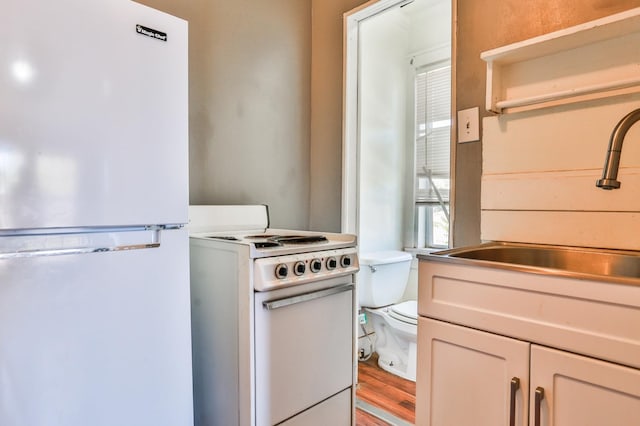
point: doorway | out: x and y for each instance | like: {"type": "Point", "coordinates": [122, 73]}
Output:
{"type": "Point", "coordinates": [389, 43]}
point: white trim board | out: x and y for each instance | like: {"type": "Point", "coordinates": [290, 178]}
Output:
{"type": "Point", "coordinates": [616, 230]}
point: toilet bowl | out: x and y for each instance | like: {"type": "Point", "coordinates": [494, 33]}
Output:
{"type": "Point", "coordinates": [396, 329]}
{"type": "Point", "coordinates": [382, 280]}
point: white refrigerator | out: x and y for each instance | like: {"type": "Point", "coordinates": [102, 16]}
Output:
{"type": "Point", "coordinates": [94, 268]}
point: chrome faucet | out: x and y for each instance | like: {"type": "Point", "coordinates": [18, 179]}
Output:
{"type": "Point", "coordinates": [612, 162]}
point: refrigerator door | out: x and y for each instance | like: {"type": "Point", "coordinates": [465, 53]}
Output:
{"type": "Point", "coordinates": [93, 114]}
{"type": "Point", "coordinates": [97, 339]}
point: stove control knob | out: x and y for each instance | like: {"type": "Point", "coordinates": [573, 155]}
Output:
{"type": "Point", "coordinates": [299, 268]}
{"type": "Point", "coordinates": [316, 265]}
{"type": "Point", "coordinates": [332, 263]}
{"type": "Point", "coordinates": [282, 271]}
{"type": "Point", "coordinates": [345, 261]}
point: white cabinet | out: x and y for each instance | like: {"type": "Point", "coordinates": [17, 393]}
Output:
{"type": "Point", "coordinates": [574, 345]}
{"type": "Point", "coordinates": [472, 377]}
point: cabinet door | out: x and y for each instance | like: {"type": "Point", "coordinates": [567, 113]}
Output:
{"type": "Point", "coordinates": [465, 375]}
{"type": "Point", "coordinates": [583, 391]}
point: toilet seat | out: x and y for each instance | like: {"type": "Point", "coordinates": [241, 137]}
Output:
{"type": "Point", "coordinates": [406, 312]}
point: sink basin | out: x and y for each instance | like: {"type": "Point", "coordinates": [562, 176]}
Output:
{"type": "Point", "coordinates": [614, 265]}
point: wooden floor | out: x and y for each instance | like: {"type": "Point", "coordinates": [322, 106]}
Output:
{"type": "Point", "coordinates": [386, 391]}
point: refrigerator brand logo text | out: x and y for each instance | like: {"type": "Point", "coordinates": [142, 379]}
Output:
{"type": "Point", "coordinates": [149, 32]}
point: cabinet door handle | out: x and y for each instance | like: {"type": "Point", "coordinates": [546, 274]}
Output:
{"type": "Point", "coordinates": [515, 385]}
{"type": "Point", "coordinates": [538, 403]}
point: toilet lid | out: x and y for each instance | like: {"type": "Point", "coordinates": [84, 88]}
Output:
{"type": "Point", "coordinates": [405, 311]}
{"type": "Point", "coordinates": [383, 257]}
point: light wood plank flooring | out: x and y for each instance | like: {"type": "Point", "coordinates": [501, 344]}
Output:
{"type": "Point", "coordinates": [386, 391]}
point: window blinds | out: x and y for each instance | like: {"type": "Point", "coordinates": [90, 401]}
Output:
{"type": "Point", "coordinates": [433, 124]}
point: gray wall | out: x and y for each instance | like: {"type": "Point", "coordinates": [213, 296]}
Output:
{"type": "Point", "coordinates": [266, 98]}
{"type": "Point", "coordinates": [249, 89]}
{"type": "Point", "coordinates": [266, 105]}
{"type": "Point", "coordinates": [326, 111]}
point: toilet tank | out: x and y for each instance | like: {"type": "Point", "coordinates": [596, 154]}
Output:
{"type": "Point", "coordinates": [383, 277]}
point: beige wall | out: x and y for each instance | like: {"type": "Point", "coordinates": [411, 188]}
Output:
{"type": "Point", "coordinates": [483, 25]}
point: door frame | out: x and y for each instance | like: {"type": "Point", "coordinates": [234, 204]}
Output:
{"type": "Point", "coordinates": [350, 130]}
{"type": "Point", "coordinates": [350, 163]}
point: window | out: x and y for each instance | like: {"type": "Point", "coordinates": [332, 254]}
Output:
{"type": "Point", "coordinates": [432, 153]}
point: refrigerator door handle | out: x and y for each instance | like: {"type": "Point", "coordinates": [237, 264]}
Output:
{"type": "Point", "coordinates": [76, 250]}
{"type": "Point", "coordinates": [65, 242]}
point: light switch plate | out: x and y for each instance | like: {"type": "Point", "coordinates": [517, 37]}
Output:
{"type": "Point", "coordinates": [469, 125]}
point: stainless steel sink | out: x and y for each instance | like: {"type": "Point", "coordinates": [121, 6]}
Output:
{"type": "Point", "coordinates": [603, 264]}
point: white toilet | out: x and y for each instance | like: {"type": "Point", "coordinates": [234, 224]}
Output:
{"type": "Point", "coordinates": [382, 280]}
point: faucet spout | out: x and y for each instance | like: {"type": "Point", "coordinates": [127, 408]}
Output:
{"type": "Point", "coordinates": [612, 162]}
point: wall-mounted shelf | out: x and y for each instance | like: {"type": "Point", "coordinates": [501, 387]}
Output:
{"type": "Point", "coordinates": [588, 61]}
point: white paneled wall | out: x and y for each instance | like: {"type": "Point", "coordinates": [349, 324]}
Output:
{"type": "Point", "coordinates": [539, 174]}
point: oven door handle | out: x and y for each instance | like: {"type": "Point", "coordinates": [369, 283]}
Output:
{"type": "Point", "coordinates": [292, 300]}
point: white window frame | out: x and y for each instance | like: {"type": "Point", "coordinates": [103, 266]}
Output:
{"type": "Point", "coordinates": [420, 237]}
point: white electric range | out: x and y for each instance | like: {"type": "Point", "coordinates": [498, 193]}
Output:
{"type": "Point", "coordinates": [273, 321]}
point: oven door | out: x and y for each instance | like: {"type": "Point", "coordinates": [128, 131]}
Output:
{"type": "Point", "coordinates": [303, 348]}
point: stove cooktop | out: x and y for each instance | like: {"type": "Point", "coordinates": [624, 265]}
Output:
{"type": "Point", "coordinates": [269, 240]}
{"type": "Point", "coordinates": [273, 242]}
